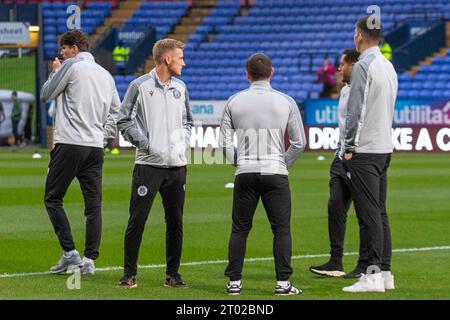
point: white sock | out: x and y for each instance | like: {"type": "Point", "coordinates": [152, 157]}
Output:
{"type": "Point", "coordinates": [235, 283]}
{"type": "Point", "coordinates": [70, 253]}
{"type": "Point", "coordinates": [283, 284]}
{"type": "Point", "coordinates": [87, 260]}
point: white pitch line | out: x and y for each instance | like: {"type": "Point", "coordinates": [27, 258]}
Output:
{"type": "Point", "coordinates": [197, 263]}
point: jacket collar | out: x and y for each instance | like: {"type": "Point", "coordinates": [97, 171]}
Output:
{"type": "Point", "coordinates": [260, 84]}
{"type": "Point", "coordinates": [85, 56]}
{"type": "Point", "coordinates": [371, 50]}
{"type": "Point", "coordinates": [155, 77]}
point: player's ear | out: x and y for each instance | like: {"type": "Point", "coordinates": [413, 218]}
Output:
{"type": "Point", "coordinates": [272, 72]}
{"type": "Point", "coordinates": [248, 76]}
{"type": "Point", "coordinates": [167, 59]}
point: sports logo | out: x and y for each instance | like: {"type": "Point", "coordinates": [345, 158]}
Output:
{"type": "Point", "coordinates": [151, 93]}
{"type": "Point", "coordinates": [176, 94]}
{"type": "Point", "coordinates": [142, 191]}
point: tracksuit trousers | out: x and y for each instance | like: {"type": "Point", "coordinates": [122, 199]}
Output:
{"type": "Point", "coordinates": [84, 163]}
{"type": "Point", "coordinates": [338, 205]}
{"type": "Point", "coordinates": [147, 182]}
{"type": "Point", "coordinates": [276, 197]}
{"type": "Point", "coordinates": [368, 184]}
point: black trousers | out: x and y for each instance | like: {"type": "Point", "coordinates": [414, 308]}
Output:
{"type": "Point", "coordinates": [338, 204]}
{"type": "Point", "coordinates": [276, 197]}
{"type": "Point", "coordinates": [171, 184]}
{"type": "Point", "coordinates": [368, 185]}
{"type": "Point", "coordinates": [84, 163]}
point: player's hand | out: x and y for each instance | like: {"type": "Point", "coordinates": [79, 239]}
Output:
{"type": "Point", "coordinates": [348, 156]}
{"type": "Point", "coordinates": [56, 63]}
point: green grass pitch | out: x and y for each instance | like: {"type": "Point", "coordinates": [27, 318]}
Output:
{"type": "Point", "coordinates": [418, 204]}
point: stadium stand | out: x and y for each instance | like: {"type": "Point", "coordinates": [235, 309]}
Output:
{"type": "Point", "coordinates": [430, 82]}
{"type": "Point", "coordinates": [220, 35]}
{"type": "Point", "coordinates": [298, 35]}
{"type": "Point", "coordinates": [162, 15]}
{"type": "Point", "coordinates": [55, 17]}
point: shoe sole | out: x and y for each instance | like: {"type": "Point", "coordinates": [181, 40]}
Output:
{"type": "Point", "coordinates": [335, 274]}
{"type": "Point", "coordinates": [88, 273]}
{"type": "Point", "coordinates": [177, 287]}
{"type": "Point", "coordinates": [347, 276]}
{"type": "Point", "coordinates": [69, 270]}
{"type": "Point", "coordinates": [127, 287]}
{"type": "Point", "coordinates": [380, 290]}
{"type": "Point", "coordinates": [233, 293]}
{"type": "Point", "coordinates": [289, 294]}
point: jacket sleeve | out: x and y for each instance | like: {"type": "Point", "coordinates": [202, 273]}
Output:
{"type": "Point", "coordinates": [127, 119]}
{"type": "Point", "coordinates": [187, 121]}
{"type": "Point", "coordinates": [57, 81]}
{"type": "Point", "coordinates": [296, 133]}
{"type": "Point", "coordinates": [356, 105]}
{"type": "Point", "coordinates": [226, 136]}
{"type": "Point", "coordinates": [110, 127]}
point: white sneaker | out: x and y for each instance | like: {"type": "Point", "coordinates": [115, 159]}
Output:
{"type": "Point", "coordinates": [69, 262]}
{"type": "Point", "coordinates": [288, 290]}
{"type": "Point", "coordinates": [388, 279]}
{"type": "Point", "coordinates": [87, 266]}
{"type": "Point", "coordinates": [367, 283]}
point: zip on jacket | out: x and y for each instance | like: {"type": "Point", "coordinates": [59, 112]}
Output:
{"type": "Point", "coordinates": [157, 120]}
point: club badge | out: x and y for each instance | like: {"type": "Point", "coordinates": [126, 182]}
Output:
{"type": "Point", "coordinates": [142, 191]}
{"type": "Point", "coordinates": [176, 94]}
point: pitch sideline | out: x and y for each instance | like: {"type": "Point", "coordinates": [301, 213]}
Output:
{"type": "Point", "coordinates": [196, 263]}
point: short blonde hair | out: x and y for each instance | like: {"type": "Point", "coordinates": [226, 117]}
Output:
{"type": "Point", "coordinates": [164, 45]}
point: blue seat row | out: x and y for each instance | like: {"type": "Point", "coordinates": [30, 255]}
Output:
{"type": "Point", "coordinates": [423, 94]}
{"type": "Point", "coordinates": [158, 13]}
{"type": "Point", "coordinates": [164, 5]}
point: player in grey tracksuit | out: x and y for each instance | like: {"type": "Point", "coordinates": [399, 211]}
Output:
{"type": "Point", "coordinates": [260, 116]}
{"type": "Point", "coordinates": [83, 122]}
{"type": "Point", "coordinates": [156, 118]}
{"type": "Point", "coordinates": [340, 195]}
{"type": "Point", "coordinates": [368, 148]}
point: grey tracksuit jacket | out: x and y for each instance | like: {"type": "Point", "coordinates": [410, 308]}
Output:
{"type": "Point", "coordinates": [90, 102]}
{"type": "Point", "coordinates": [342, 114]}
{"type": "Point", "coordinates": [260, 117]}
{"type": "Point", "coordinates": [370, 107]}
{"type": "Point", "coordinates": [157, 119]}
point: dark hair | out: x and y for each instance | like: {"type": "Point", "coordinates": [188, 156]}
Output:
{"type": "Point", "coordinates": [75, 38]}
{"type": "Point", "coordinates": [259, 66]}
{"type": "Point", "coordinates": [372, 32]}
{"type": "Point", "coordinates": [14, 93]}
{"type": "Point", "coordinates": [351, 55]}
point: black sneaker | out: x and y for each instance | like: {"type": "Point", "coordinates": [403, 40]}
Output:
{"type": "Point", "coordinates": [127, 282]}
{"type": "Point", "coordinates": [234, 289]}
{"type": "Point", "coordinates": [329, 269]}
{"type": "Point", "coordinates": [287, 291]}
{"type": "Point", "coordinates": [174, 281]}
{"type": "Point", "coordinates": [355, 274]}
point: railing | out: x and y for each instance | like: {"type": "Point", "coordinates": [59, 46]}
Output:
{"type": "Point", "coordinates": [419, 14]}
{"type": "Point", "coordinates": [318, 54]}
{"type": "Point", "coordinates": [141, 50]}
{"type": "Point", "coordinates": [419, 47]}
